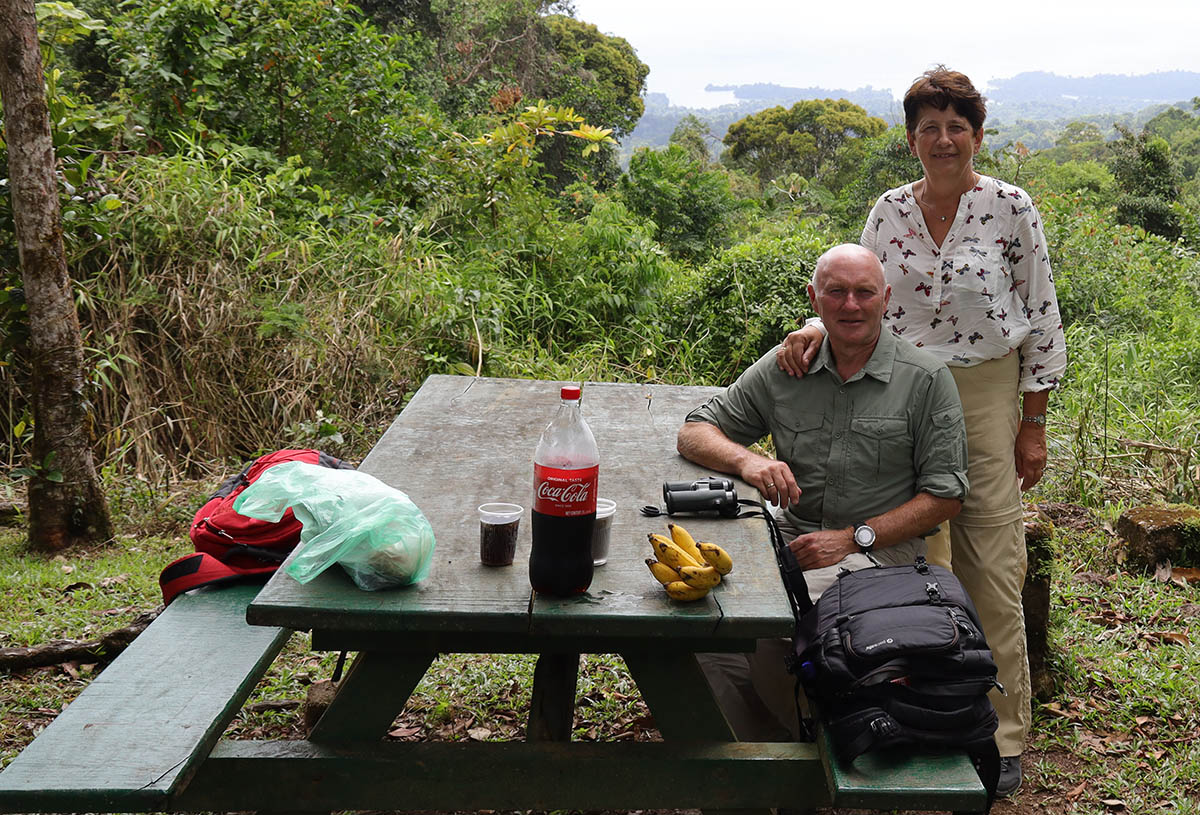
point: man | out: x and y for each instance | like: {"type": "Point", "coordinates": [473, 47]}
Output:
{"type": "Point", "coordinates": [871, 456]}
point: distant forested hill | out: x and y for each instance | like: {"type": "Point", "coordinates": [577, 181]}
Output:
{"type": "Point", "coordinates": [1031, 107]}
{"type": "Point", "coordinates": [875, 101]}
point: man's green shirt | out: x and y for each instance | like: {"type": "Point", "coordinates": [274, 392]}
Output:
{"type": "Point", "coordinates": [857, 448]}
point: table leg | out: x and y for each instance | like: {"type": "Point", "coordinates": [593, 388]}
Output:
{"type": "Point", "coordinates": [371, 695]}
{"type": "Point", "coordinates": [679, 698]}
{"type": "Point", "coordinates": [552, 711]}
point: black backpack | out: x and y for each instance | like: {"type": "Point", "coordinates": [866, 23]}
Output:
{"type": "Point", "coordinates": [895, 656]}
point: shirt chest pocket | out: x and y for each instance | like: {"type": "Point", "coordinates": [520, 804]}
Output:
{"type": "Point", "coordinates": [879, 444]}
{"type": "Point", "coordinates": [798, 438]}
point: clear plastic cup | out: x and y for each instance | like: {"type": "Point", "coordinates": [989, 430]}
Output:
{"type": "Point", "coordinates": [498, 525]}
{"type": "Point", "coordinates": [602, 531]}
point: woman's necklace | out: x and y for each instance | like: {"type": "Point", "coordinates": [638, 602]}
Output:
{"type": "Point", "coordinates": [930, 207]}
{"type": "Point", "coordinates": [933, 210]}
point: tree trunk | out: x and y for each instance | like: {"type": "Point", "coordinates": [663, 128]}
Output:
{"type": "Point", "coordinates": [66, 504]}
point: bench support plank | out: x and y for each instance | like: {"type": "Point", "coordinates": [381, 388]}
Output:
{"type": "Point", "coordinates": [245, 775]}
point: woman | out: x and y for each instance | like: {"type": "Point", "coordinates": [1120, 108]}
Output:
{"type": "Point", "coordinates": [966, 258]}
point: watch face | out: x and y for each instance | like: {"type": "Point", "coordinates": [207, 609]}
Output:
{"type": "Point", "coordinates": [864, 536]}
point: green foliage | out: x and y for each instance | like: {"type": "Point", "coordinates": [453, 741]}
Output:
{"type": "Point", "coordinates": [744, 300]}
{"type": "Point", "coordinates": [693, 135]}
{"type": "Point", "coordinates": [804, 138]}
{"type": "Point", "coordinates": [604, 80]}
{"type": "Point", "coordinates": [1181, 130]}
{"type": "Point", "coordinates": [1149, 182]}
{"type": "Point", "coordinates": [691, 205]}
{"type": "Point", "coordinates": [212, 324]}
{"type": "Point", "coordinates": [887, 163]}
{"type": "Point", "coordinates": [308, 78]}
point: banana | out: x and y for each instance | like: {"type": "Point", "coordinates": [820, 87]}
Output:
{"type": "Point", "coordinates": [662, 572]}
{"type": "Point", "coordinates": [699, 577]}
{"type": "Point", "coordinates": [684, 540]}
{"type": "Point", "coordinates": [716, 557]}
{"type": "Point", "coordinates": [670, 554]}
{"type": "Point", "coordinates": [682, 591]}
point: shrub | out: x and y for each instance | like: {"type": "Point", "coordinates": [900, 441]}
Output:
{"type": "Point", "coordinates": [745, 300]}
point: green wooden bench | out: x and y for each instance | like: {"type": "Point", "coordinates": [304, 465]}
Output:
{"type": "Point", "coordinates": [139, 730]}
{"type": "Point", "coordinates": [903, 780]}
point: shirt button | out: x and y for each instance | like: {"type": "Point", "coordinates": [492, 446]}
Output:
{"type": "Point", "coordinates": [837, 435]}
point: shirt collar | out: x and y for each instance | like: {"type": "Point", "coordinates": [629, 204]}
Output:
{"type": "Point", "coordinates": [879, 365]}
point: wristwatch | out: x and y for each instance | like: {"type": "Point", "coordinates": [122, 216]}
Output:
{"type": "Point", "coordinates": [864, 538]}
{"type": "Point", "coordinates": [1038, 419]}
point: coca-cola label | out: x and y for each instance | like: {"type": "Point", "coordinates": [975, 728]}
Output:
{"type": "Point", "coordinates": [564, 493]}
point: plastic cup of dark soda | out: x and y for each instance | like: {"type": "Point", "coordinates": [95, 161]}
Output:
{"type": "Point", "coordinates": [498, 533]}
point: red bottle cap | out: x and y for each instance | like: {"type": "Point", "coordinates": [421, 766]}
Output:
{"type": "Point", "coordinates": [570, 392]}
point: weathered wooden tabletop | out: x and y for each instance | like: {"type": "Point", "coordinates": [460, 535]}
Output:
{"type": "Point", "coordinates": [464, 441]}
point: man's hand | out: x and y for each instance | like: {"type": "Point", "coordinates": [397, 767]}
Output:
{"type": "Point", "coordinates": [772, 477]}
{"type": "Point", "coordinates": [823, 548]}
{"type": "Point", "coordinates": [799, 350]}
{"type": "Point", "coordinates": [1029, 454]}
{"type": "Point", "coordinates": [709, 447]}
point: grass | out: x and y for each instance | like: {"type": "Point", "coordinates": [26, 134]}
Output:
{"type": "Point", "coordinates": [1123, 726]}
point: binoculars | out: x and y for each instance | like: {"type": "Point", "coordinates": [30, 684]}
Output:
{"type": "Point", "coordinates": [704, 495]}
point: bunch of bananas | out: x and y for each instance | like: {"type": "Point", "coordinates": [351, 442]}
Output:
{"type": "Point", "coordinates": [687, 570]}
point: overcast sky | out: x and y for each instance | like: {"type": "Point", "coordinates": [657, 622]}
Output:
{"type": "Point", "coordinates": [849, 44]}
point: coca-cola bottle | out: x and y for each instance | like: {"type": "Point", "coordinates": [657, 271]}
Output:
{"type": "Point", "coordinates": [566, 467]}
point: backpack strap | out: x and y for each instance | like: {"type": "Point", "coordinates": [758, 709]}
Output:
{"type": "Point", "coordinates": [200, 569]}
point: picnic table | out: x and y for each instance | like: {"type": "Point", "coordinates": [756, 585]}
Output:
{"type": "Point", "coordinates": [461, 442]}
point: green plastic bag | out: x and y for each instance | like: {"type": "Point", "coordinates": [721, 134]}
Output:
{"type": "Point", "coordinates": [374, 531]}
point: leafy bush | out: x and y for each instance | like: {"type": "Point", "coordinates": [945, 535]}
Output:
{"type": "Point", "coordinates": [308, 78]}
{"type": "Point", "coordinates": [745, 300]}
{"type": "Point", "coordinates": [1109, 273]}
{"type": "Point", "coordinates": [691, 205]}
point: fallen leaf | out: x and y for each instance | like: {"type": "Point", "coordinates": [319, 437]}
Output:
{"type": "Point", "coordinates": [112, 612]}
{"type": "Point", "coordinates": [1113, 803]}
{"type": "Point", "coordinates": [404, 732]}
{"type": "Point", "coordinates": [1186, 572]}
{"type": "Point", "coordinates": [479, 733]}
{"type": "Point", "coordinates": [114, 580]}
{"type": "Point", "coordinates": [1141, 720]}
{"type": "Point", "coordinates": [1173, 637]}
{"type": "Point", "coordinates": [67, 568]}
{"type": "Point", "coordinates": [79, 584]}
{"type": "Point", "coordinates": [1075, 793]}
{"type": "Point", "coordinates": [1162, 571]}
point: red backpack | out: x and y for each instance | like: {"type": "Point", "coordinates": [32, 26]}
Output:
{"type": "Point", "coordinates": [231, 547]}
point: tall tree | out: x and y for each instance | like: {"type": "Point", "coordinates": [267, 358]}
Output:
{"type": "Point", "coordinates": [1149, 180]}
{"type": "Point", "coordinates": [66, 504]}
{"type": "Point", "coordinates": [804, 138]}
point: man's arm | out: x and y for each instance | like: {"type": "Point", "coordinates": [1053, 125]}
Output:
{"type": "Point", "coordinates": [708, 446]}
{"type": "Point", "coordinates": [915, 516]}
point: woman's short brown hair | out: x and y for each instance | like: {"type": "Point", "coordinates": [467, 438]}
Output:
{"type": "Point", "coordinates": [939, 88]}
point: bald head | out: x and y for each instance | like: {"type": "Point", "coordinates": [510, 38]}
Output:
{"type": "Point", "coordinates": [848, 255]}
{"type": "Point", "coordinates": [850, 295]}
